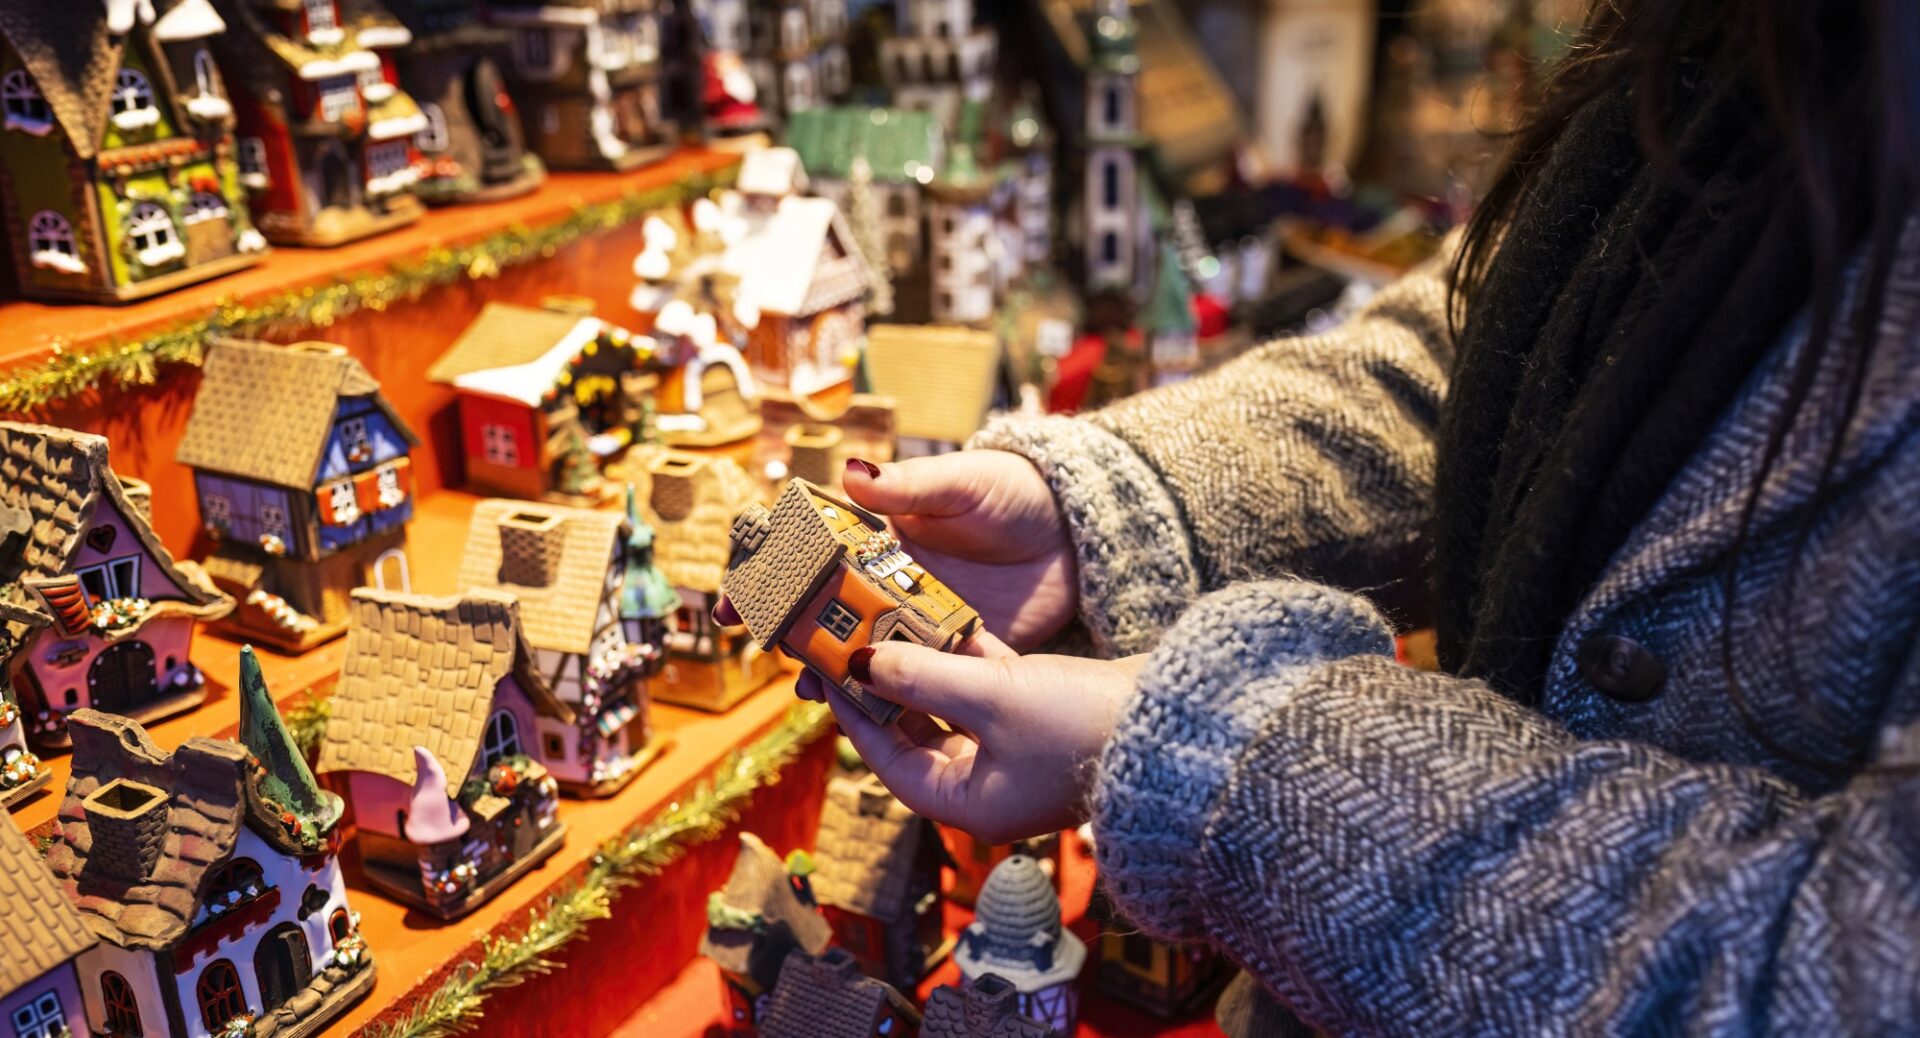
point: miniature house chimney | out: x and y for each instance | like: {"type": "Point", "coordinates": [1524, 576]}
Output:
{"type": "Point", "coordinates": [530, 545]}
{"type": "Point", "coordinates": [990, 999]}
{"type": "Point", "coordinates": [750, 530]}
{"type": "Point", "coordinates": [128, 820]}
{"type": "Point", "coordinates": [139, 494]}
{"type": "Point", "coordinates": [814, 452]}
{"type": "Point", "coordinates": [672, 495]}
{"type": "Point", "coordinates": [834, 968]}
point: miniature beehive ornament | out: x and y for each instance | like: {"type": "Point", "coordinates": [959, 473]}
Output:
{"type": "Point", "coordinates": [1016, 934]}
{"type": "Point", "coordinates": [822, 578]}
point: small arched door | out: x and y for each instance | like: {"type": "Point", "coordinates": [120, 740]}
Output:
{"type": "Point", "coordinates": [122, 678]}
{"type": "Point", "coordinates": [282, 964]}
{"type": "Point", "coordinates": [336, 181]}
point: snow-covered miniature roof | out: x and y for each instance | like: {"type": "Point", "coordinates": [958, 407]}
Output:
{"type": "Point", "coordinates": [777, 265]}
{"type": "Point", "coordinates": [771, 171]}
{"type": "Point", "coordinates": [189, 20]}
{"type": "Point", "coordinates": [527, 383]}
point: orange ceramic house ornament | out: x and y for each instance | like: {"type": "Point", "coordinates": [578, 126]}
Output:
{"type": "Point", "coordinates": [822, 578]}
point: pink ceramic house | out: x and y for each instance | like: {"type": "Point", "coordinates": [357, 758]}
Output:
{"type": "Point", "coordinates": [108, 615]}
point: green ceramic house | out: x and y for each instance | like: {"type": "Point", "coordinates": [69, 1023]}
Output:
{"type": "Point", "coordinates": [116, 139]}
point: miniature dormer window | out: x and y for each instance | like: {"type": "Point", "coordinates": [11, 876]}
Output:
{"type": "Point", "coordinates": [50, 243]}
{"type": "Point", "coordinates": [133, 107]}
{"type": "Point", "coordinates": [151, 233]}
{"type": "Point", "coordinates": [323, 26]}
{"type": "Point", "coordinates": [434, 138]}
{"type": "Point", "coordinates": [110, 580]}
{"type": "Point", "coordinates": [41, 1018]}
{"type": "Point", "coordinates": [236, 883]}
{"type": "Point", "coordinates": [533, 49]}
{"type": "Point", "coordinates": [339, 96]}
{"type": "Point", "coordinates": [502, 738]}
{"type": "Point", "coordinates": [26, 110]}
{"type": "Point", "coordinates": [203, 206]}
{"type": "Point", "coordinates": [354, 440]}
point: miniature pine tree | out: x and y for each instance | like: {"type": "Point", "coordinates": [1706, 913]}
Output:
{"type": "Point", "coordinates": [288, 781]}
{"type": "Point", "coordinates": [869, 234]}
{"type": "Point", "coordinates": [578, 472]}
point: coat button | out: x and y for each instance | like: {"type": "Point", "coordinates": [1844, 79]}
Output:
{"type": "Point", "coordinates": [1621, 668]}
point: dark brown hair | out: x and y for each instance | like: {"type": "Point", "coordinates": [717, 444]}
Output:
{"type": "Point", "coordinates": [1837, 85]}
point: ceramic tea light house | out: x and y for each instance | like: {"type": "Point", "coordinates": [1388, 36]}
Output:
{"type": "Point", "coordinates": [437, 722]}
{"type": "Point", "coordinates": [567, 568]}
{"type": "Point", "coordinates": [1167, 980]}
{"type": "Point", "coordinates": [586, 74]}
{"type": "Point", "coordinates": [943, 381]}
{"type": "Point", "coordinates": [21, 772]}
{"type": "Point", "coordinates": [691, 504]}
{"type": "Point", "coordinates": [305, 484]}
{"type": "Point", "coordinates": [44, 935]}
{"type": "Point", "coordinates": [828, 997]}
{"type": "Point", "coordinates": [118, 142]}
{"type": "Point", "coordinates": [877, 875]}
{"type": "Point", "coordinates": [765, 912]}
{"type": "Point", "coordinates": [802, 275]}
{"type": "Point", "coordinates": [986, 1006]}
{"type": "Point", "coordinates": [1016, 935]}
{"type": "Point", "coordinates": [102, 615]}
{"type": "Point", "coordinates": [822, 578]}
{"type": "Point", "coordinates": [209, 876]}
{"type": "Point", "coordinates": [326, 138]}
{"type": "Point", "coordinates": [974, 861]}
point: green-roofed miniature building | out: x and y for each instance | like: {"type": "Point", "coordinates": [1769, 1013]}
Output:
{"type": "Point", "coordinates": [904, 150]}
{"type": "Point", "coordinates": [1114, 215]}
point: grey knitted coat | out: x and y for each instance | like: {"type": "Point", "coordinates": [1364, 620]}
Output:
{"type": "Point", "coordinates": [1396, 852]}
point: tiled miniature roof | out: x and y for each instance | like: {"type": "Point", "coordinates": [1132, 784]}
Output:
{"type": "Point", "coordinates": [51, 482]}
{"type": "Point", "coordinates": [72, 58]}
{"type": "Point", "coordinates": [897, 143]}
{"type": "Point", "coordinates": [503, 336]}
{"type": "Point", "coordinates": [987, 1008]}
{"type": "Point", "coordinates": [692, 548]}
{"type": "Point", "coordinates": [940, 377]}
{"type": "Point", "coordinates": [562, 614]}
{"type": "Point", "coordinates": [38, 925]}
{"type": "Point", "coordinates": [265, 412]}
{"type": "Point", "coordinates": [770, 585]}
{"type": "Point", "coordinates": [788, 266]}
{"type": "Point", "coordinates": [828, 997]}
{"type": "Point", "coordinates": [759, 886]}
{"type": "Point", "coordinates": [866, 849]}
{"type": "Point", "coordinates": [204, 782]}
{"type": "Point", "coordinates": [421, 671]}
{"type": "Point", "coordinates": [255, 51]}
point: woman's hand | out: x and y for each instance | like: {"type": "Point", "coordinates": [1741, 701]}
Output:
{"type": "Point", "coordinates": [1022, 732]}
{"type": "Point", "coordinates": [987, 525]}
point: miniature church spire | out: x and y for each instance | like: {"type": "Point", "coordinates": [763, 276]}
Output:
{"type": "Point", "coordinates": [287, 781]}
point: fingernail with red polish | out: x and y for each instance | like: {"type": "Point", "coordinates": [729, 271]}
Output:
{"type": "Point", "coordinates": [860, 664]}
{"type": "Point", "coordinates": [868, 467]}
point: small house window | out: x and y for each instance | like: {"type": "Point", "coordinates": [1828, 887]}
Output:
{"type": "Point", "coordinates": [434, 137]}
{"type": "Point", "coordinates": [218, 509]}
{"type": "Point", "coordinates": [320, 16]}
{"type": "Point", "coordinates": [838, 620]}
{"type": "Point", "coordinates": [1110, 184]}
{"type": "Point", "coordinates": [498, 445]}
{"type": "Point", "coordinates": [386, 158]}
{"type": "Point", "coordinates": [534, 50]}
{"type": "Point", "coordinates": [204, 75]}
{"type": "Point", "coordinates": [1113, 105]}
{"type": "Point", "coordinates": [339, 925]}
{"type": "Point", "coordinates": [237, 881]}
{"type": "Point", "coordinates": [353, 438]}
{"type": "Point", "coordinates": [115, 578]}
{"type": "Point", "coordinates": [203, 206]}
{"type": "Point", "coordinates": [40, 1018]}
{"type": "Point", "coordinates": [273, 521]}
{"type": "Point", "coordinates": [50, 239]}
{"type": "Point", "coordinates": [372, 78]}
{"type": "Point", "coordinates": [220, 996]}
{"type": "Point", "coordinates": [886, 1026]}
{"type": "Point", "coordinates": [151, 232]}
{"type": "Point", "coordinates": [556, 746]}
{"type": "Point", "coordinates": [25, 108]}
{"type": "Point", "coordinates": [122, 1008]}
{"type": "Point", "coordinates": [1137, 951]}
{"type": "Point", "coordinates": [502, 738]}
{"type": "Point", "coordinates": [253, 156]}
{"type": "Point", "coordinates": [1110, 248]}
{"type": "Point", "coordinates": [338, 97]}
{"type": "Point", "coordinates": [132, 94]}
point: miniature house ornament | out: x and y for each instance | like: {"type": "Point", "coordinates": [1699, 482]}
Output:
{"type": "Point", "coordinates": [40, 992]}
{"type": "Point", "coordinates": [21, 773]}
{"type": "Point", "coordinates": [102, 616]}
{"type": "Point", "coordinates": [986, 1006]}
{"type": "Point", "coordinates": [877, 876]}
{"type": "Point", "coordinates": [210, 878]}
{"type": "Point", "coordinates": [440, 724]}
{"type": "Point", "coordinates": [822, 577]}
{"type": "Point", "coordinates": [586, 74]}
{"type": "Point", "coordinates": [828, 997]}
{"type": "Point", "coordinates": [1016, 935]}
{"type": "Point", "coordinates": [765, 912]}
{"type": "Point", "coordinates": [306, 505]}
{"type": "Point", "coordinates": [118, 143]}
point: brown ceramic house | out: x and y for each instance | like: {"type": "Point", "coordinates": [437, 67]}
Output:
{"type": "Point", "coordinates": [691, 504]}
{"type": "Point", "coordinates": [821, 577]}
{"type": "Point", "coordinates": [437, 723]}
{"type": "Point", "coordinates": [764, 913]}
{"type": "Point", "coordinates": [44, 935]}
{"type": "Point", "coordinates": [828, 997]}
{"type": "Point", "coordinates": [567, 567]}
{"type": "Point", "coordinates": [103, 615]}
{"type": "Point", "coordinates": [877, 876]}
{"type": "Point", "coordinates": [985, 1007]}
{"type": "Point", "coordinates": [586, 74]}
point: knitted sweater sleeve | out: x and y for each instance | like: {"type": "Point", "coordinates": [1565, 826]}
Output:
{"type": "Point", "coordinates": [1399, 852]}
{"type": "Point", "coordinates": [1310, 456]}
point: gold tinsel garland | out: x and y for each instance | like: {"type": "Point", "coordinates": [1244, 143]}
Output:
{"type": "Point", "coordinates": [68, 373]}
{"type": "Point", "coordinates": [622, 862]}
